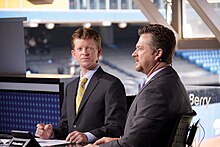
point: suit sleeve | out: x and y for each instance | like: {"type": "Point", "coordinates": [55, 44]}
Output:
{"type": "Point", "coordinates": [146, 119]}
{"type": "Point", "coordinates": [62, 131]}
{"type": "Point", "coordinates": [115, 111]}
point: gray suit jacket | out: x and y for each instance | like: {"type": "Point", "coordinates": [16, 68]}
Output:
{"type": "Point", "coordinates": [102, 111]}
{"type": "Point", "coordinates": [154, 111]}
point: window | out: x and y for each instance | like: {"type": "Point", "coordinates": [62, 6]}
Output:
{"type": "Point", "coordinates": [113, 4]}
{"type": "Point", "coordinates": [93, 4]}
{"type": "Point", "coordinates": [193, 25]}
{"type": "Point", "coordinates": [102, 4]}
{"type": "Point", "coordinates": [124, 4]}
{"type": "Point", "coordinates": [83, 4]}
{"type": "Point", "coordinates": [73, 4]}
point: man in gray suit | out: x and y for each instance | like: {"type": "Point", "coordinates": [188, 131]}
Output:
{"type": "Point", "coordinates": [154, 111]}
{"type": "Point", "coordinates": [102, 109]}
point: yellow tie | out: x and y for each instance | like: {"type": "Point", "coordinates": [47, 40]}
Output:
{"type": "Point", "coordinates": [81, 90]}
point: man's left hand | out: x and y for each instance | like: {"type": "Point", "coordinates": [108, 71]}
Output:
{"type": "Point", "coordinates": [91, 145]}
{"type": "Point", "coordinates": [77, 137]}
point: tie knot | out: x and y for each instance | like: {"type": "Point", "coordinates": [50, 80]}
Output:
{"type": "Point", "coordinates": [83, 80]}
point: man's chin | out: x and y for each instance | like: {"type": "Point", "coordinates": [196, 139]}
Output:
{"type": "Point", "coordinates": [89, 66]}
{"type": "Point", "coordinates": [139, 69]}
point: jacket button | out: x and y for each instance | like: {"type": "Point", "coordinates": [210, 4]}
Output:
{"type": "Point", "coordinates": [74, 126]}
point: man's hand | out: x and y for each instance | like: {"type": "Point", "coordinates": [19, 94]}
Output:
{"type": "Point", "coordinates": [44, 131]}
{"type": "Point", "coordinates": [91, 145]}
{"type": "Point", "coordinates": [101, 141]}
{"type": "Point", "coordinates": [105, 140]}
{"type": "Point", "coordinates": [77, 137]}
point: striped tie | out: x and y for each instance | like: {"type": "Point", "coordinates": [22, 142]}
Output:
{"type": "Point", "coordinates": [80, 92]}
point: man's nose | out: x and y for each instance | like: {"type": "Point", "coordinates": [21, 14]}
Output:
{"type": "Point", "coordinates": [134, 53]}
{"type": "Point", "coordinates": [84, 51]}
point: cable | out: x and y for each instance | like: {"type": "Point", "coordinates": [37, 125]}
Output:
{"type": "Point", "coordinates": [192, 133]}
{"type": "Point", "coordinates": [203, 135]}
{"type": "Point", "coordinates": [199, 142]}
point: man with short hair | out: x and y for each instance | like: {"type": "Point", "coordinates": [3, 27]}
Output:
{"type": "Point", "coordinates": [95, 103]}
{"type": "Point", "coordinates": [155, 109]}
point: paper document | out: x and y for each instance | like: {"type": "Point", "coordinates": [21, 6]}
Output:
{"type": "Point", "coordinates": [4, 142]}
{"type": "Point", "coordinates": [50, 142]}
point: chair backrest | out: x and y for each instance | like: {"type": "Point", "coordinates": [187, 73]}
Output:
{"type": "Point", "coordinates": [181, 129]}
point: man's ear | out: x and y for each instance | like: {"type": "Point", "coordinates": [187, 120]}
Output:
{"type": "Point", "coordinates": [99, 51]}
{"type": "Point", "coordinates": [73, 53]}
{"type": "Point", "coordinates": [159, 54]}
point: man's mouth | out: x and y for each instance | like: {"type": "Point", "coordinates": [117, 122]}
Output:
{"type": "Point", "coordinates": [85, 59]}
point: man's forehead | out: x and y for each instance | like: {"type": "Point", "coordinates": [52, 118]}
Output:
{"type": "Point", "coordinates": [144, 39]}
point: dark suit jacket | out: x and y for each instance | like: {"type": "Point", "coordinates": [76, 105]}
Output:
{"type": "Point", "coordinates": [102, 111]}
{"type": "Point", "coordinates": [154, 111]}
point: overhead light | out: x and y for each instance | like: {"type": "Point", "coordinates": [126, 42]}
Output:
{"type": "Point", "coordinates": [106, 23]}
{"type": "Point", "coordinates": [33, 24]}
{"type": "Point", "coordinates": [87, 25]}
{"type": "Point", "coordinates": [49, 26]}
{"type": "Point", "coordinates": [122, 25]}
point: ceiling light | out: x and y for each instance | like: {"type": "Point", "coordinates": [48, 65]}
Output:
{"type": "Point", "coordinates": [33, 24]}
{"type": "Point", "coordinates": [87, 25]}
{"type": "Point", "coordinates": [49, 26]}
{"type": "Point", "coordinates": [122, 25]}
{"type": "Point", "coordinates": [106, 23]}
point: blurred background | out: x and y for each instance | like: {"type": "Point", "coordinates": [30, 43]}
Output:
{"type": "Point", "coordinates": [49, 24]}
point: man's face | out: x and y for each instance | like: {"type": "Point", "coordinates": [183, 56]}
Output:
{"type": "Point", "coordinates": [144, 55]}
{"type": "Point", "coordinates": [86, 53]}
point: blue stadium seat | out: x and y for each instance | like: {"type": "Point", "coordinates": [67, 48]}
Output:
{"type": "Point", "coordinates": [208, 59]}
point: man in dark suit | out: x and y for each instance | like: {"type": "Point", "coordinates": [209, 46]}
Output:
{"type": "Point", "coordinates": [102, 108]}
{"type": "Point", "coordinates": [155, 109]}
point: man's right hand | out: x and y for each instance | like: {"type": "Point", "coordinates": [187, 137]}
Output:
{"type": "Point", "coordinates": [44, 131]}
{"type": "Point", "coordinates": [105, 140]}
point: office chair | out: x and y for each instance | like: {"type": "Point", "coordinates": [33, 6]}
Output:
{"type": "Point", "coordinates": [183, 135]}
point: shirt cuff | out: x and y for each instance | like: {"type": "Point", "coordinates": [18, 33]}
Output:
{"type": "Point", "coordinates": [52, 135]}
{"type": "Point", "coordinates": [91, 137]}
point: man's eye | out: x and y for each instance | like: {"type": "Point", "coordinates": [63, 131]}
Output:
{"type": "Point", "coordinates": [79, 49]}
{"type": "Point", "coordinates": [89, 48]}
{"type": "Point", "coordinates": [138, 48]}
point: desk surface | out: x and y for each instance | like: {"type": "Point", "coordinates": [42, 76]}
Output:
{"type": "Point", "coordinates": [47, 143]}
{"type": "Point", "coordinates": [211, 142]}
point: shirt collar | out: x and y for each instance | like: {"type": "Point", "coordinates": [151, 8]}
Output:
{"type": "Point", "coordinates": [153, 74]}
{"type": "Point", "coordinates": [90, 73]}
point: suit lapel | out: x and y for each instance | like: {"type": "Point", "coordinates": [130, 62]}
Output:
{"type": "Point", "coordinates": [73, 95]}
{"type": "Point", "coordinates": [90, 88]}
{"type": "Point", "coordinates": [167, 70]}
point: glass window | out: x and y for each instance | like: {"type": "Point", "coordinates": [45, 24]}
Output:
{"type": "Point", "coordinates": [193, 25]}
{"type": "Point", "coordinates": [102, 4]}
{"type": "Point", "coordinates": [83, 4]}
{"type": "Point", "coordinates": [93, 4]}
{"type": "Point", "coordinates": [215, 5]}
{"type": "Point", "coordinates": [113, 4]}
{"type": "Point", "coordinates": [160, 4]}
{"type": "Point", "coordinates": [134, 6]}
{"type": "Point", "coordinates": [124, 4]}
{"type": "Point", "coordinates": [73, 4]}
